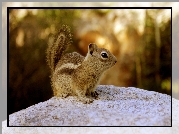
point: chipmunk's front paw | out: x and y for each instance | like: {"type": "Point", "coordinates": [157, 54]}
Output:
{"type": "Point", "coordinates": [94, 94]}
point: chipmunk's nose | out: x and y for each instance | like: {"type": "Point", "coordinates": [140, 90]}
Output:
{"type": "Point", "coordinates": [115, 60]}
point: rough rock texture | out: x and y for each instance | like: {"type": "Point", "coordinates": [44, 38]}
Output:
{"type": "Point", "coordinates": [116, 106]}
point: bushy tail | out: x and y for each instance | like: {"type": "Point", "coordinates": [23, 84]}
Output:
{"type": "Point", "coordinates": [58, 45]}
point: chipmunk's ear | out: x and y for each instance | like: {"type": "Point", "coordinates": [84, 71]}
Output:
{"type": "Point", "coordinates": [91, 48]}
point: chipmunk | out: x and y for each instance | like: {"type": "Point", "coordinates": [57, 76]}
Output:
{"type": "Point", "coordinates": [74, 74]}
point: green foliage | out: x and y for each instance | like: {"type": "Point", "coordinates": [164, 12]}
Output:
{"type": "Point", "coordinates": [156, 58]}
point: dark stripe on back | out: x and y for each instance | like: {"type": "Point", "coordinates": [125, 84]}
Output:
{"type": "Point", "coordinates": [67, 71]}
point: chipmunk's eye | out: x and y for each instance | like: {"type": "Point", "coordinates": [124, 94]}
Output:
{"type": "Point", "coordinates": [104, 54]}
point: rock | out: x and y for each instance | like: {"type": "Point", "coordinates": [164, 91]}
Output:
{"type": "Point", "coordinates": [132, 105]}
{"type": "Point", "coordinates": [116, 106]}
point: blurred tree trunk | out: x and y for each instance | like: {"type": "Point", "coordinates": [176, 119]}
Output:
{"type": "Point", "coordinates": [157, 51]}
{"type": "Point", "coordinates": [138, 70]}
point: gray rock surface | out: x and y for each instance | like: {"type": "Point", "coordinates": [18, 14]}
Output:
{"type": "Point", "coordinates": [116, 106]}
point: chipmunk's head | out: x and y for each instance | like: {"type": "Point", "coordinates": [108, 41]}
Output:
{"type": "Point", "coordinates": [100, 56]}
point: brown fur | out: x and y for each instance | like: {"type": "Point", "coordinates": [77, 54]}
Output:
{"type": "Point", "coordinates": [74, 74]}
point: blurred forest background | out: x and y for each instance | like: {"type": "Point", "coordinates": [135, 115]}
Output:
{"type": "Point", "coordinates": [140, 39]}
